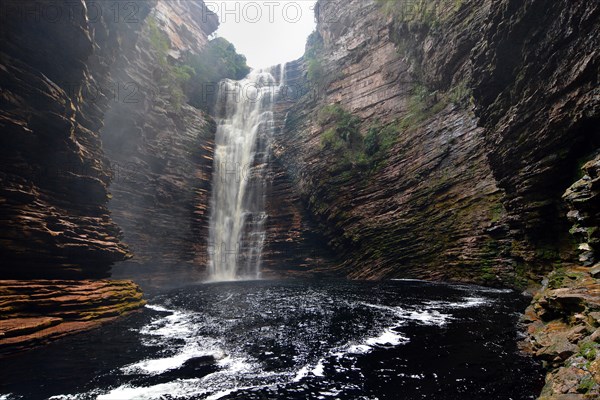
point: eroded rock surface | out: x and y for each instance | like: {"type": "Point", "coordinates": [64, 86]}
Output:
{"type": "Point", "coordinates": [35, 312]}
{"type": "Point", "coordinates": [564, 331]}
{"type": "Point", "coordinates": [427, 207]}
{"type": "Point", "coordinates": [54, 219]}
{"type": "Point", "coordinates": [161, 150]}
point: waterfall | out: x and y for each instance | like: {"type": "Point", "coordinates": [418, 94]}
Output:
{"type": "Point", "coordinates": [238, 217]}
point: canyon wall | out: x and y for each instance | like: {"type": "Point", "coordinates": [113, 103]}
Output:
{"type": "Point", "coordinates": [426, 206]}
{"type": "Point", "coordinates": [456, 140]}
{"type": "Point", "coordinates": [482, 124]}
{"type": "Point", "coordinates": [96, 137]}
{"type": "Point", "coordinates": [99, 139]}
{"type": "Point", "coordinates": [161, 149]}
{"type": "Point", "coordinates": [54, 216]}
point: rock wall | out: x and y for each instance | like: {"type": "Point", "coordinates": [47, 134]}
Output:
{"type": "Point", "coordinates": [429, 206]}
{"type": "Point", "coordinates": [535, 80]}
{"type": "Point", "coordinates": [490, 108]}
{"type": "Point", "coordinates": [161, 150]}
{"type": "Point", "coordinates": [54, 221]}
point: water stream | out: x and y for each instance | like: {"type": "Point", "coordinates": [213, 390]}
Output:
{"type": "Point", "coordinates": [238, 217]}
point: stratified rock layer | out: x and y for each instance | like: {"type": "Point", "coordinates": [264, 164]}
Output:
{"type": "Point", "coordinates": [35, 312]}
{"type": "Point", "coordinates": [583, 200]}
{"type": "Point", "coordinates": [53, 216]}
{"type": "Point", "coordinates": [535, 80]}
{"type": "Point", "coordinates": [161, 150]}
{"type": "Point", "coordinates": [492, 109]}
{"type": "Point", "coordinates": [429, 207]}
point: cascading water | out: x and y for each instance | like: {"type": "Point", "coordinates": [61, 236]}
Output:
{"type": "Point", "coordinates": [244, 132]}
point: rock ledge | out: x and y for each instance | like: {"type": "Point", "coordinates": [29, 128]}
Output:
{"type": "Point", "coordinates": [36, 312]}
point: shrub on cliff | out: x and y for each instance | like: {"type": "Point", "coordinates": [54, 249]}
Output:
{"type": "Point", "coordinates": [199, 74]}
{"type": "Point", "coordinates": [345, 131]}
{"type": "Point", "coordinates": [316, 73]}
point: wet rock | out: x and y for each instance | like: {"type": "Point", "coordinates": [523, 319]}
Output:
{"type": "Point", "coordinates": [35, 312]}
{"type": "Point", "coordinates": [563, 330]}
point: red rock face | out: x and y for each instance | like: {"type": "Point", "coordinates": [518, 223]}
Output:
{"type": "Point", "coordinates": [35, 312]}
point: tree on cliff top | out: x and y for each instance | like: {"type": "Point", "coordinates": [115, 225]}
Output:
{"type": "Point", "coordinates": [219, 60]}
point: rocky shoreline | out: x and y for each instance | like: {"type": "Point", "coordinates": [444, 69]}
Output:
{"type": "Point", "coordinates": [34, 313]}
{"type": "Point", "coordinates": [563, 329]}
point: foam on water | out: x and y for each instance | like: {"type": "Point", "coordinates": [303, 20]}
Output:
{"type": "Point", "coordinates": [388, 338]}
{"type": "Point", "coordinates": [184, 335]}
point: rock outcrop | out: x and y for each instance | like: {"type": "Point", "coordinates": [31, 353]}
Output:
{"type": "Point", "coordinates": [33, 312]}
{"type": "Point", "coordinates": [583, 200]}
{"type": "Point", "coordinates": [564, 331]}
{"type": "Point", "coordinates": [564, 317]}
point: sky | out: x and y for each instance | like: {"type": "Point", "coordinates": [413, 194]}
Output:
{"type": "Point", "coordinates": [267, 32]}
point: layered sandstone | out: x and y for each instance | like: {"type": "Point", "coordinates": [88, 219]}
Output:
{"type": "Point", "coordinates": [161, 150]}
{"type": "Point", "coordinates": [53, 215]}
{"type": "Point", "coordinates": [429, 207]}
{"type": "Point", "coordinates": [33, 313]}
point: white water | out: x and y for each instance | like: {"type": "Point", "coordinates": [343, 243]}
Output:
{"type": "Point", "coordinates": [238, 217]}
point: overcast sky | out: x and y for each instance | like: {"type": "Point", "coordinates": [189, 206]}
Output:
{"type": "Point", "coordinates": [266, 32]}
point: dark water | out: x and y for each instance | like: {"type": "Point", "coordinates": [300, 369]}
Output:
{"type": "Point", "coordinates": [293, 340]}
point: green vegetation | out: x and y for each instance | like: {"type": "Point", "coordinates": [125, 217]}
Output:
{"type": "Point", "coordinates": [556, 278]}
{"type": "Point", "coordinates": [406, 11]}
{"type": "Point", "coordinates": [422, 104]}
{"type": "Point", "coordinates": [343, 135]}
{"type": "Point", "coordinates": [218, 61]}
{"type": "Point", "coordinates": [174, 77]}
{"type": "Point", "coordinates": [460, 94]}
{"type": "Point", "coordinates": [589, 351]}
{"type": "Point", "coordinates": [496, 211]}
{"type": "Point", "coordinates": [429, 13]}
{"type": "Point", "coordinates": [159, 41]}
{"type": "Point", "coordinates": [355, 153]}
{"type": "Point", "coordinates": [380, 138]}
{"type": "Point", "coordinates": [361, 148]}
{"type": "Point", "coordinates": [315, 71]}
{"type": "Point", "coordinates": [586, 385]}
{"type": "Point", "coordinates": [198, 76]}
